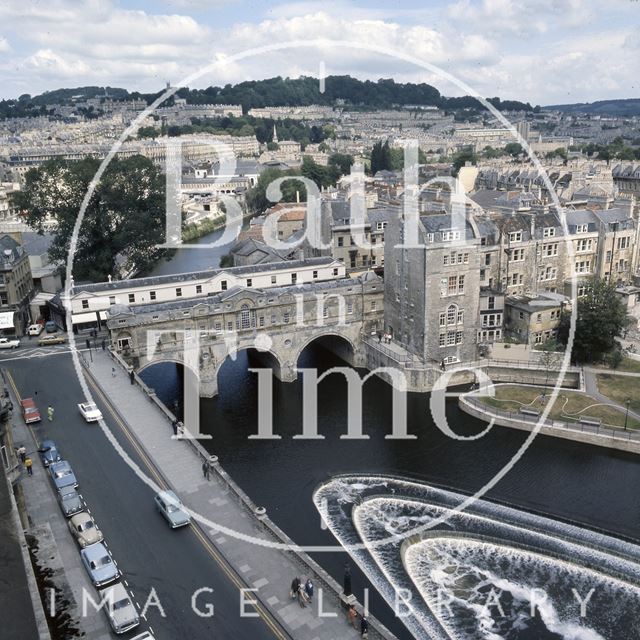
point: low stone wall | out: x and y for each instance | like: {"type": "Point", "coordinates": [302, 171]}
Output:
{"type": "Point", "coordinates": [565, 432]}
{"type": "Point", "coordinates": [377, 629]}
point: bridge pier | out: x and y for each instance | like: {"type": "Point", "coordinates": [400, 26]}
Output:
{"type": "Point", "coordinates": [208, 379]}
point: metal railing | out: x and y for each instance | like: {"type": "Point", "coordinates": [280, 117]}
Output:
{"type": "Point", "coordinates": [618, 433]}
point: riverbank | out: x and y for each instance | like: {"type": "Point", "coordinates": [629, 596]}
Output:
{"type": "Point", "coordinates": [587, 432]}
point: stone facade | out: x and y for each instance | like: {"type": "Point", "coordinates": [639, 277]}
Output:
{"type": "Point", "coordinates": [278, 322]}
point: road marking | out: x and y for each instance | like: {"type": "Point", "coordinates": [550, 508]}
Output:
{"type": "Point", "coordinates": [228, 570]}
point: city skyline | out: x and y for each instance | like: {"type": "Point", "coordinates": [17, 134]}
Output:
{"type": "Point", "coordinates": [543, 53]}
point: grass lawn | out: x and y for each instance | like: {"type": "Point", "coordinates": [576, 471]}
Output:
{"type": "Point", "coordinates": [619, 388]}
{"type": "Point", "coordinates": [569, 406]}
{"type": "Point", "coordinates": [629, 365]}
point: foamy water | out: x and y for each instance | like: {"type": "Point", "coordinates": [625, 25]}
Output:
{"type": "Point", "coordinates": [488, 564]}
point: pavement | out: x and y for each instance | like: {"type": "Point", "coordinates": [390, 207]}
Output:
{"type": "Point", "coordinates": [269, 571]}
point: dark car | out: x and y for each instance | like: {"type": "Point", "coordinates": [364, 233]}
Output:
{"type": "Point", "coordinates": [49, 452]}
{"type": "Point", "coordinates": [62, 475]}
{"type": "Point", "coordinates": [70, 501]}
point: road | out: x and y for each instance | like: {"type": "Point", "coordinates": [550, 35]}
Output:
{"type": "Point", "coordinates": [176, 563]}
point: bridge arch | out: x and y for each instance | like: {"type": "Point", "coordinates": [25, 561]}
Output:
{"type": "Point", "coordinates": [336, 342]}
{"type": "Point", "coordinates": [164, 360]}
{"type": "Point", "coordinates": [269, 358]}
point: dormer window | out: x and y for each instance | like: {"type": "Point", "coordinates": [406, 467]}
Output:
{"type": "Point", "coordinates": [515, 236]}
{"type": "Point", "coordinates": [582, 228]}
{"type": "Point", "coordinates": [450, 235]}
{"type": "Point", "coordinates": [548, 232]}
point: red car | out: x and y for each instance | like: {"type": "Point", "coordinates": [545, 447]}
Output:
{"type": "Point", "coordinates": [30, 412]}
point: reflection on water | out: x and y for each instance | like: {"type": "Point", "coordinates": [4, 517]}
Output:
{"type": "Point", "coordinates": [568, 480]}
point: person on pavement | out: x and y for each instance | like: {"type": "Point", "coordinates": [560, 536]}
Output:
{"type": "Point", "coordinates": [295, 583]}
{"type": "Point", "coordinates": [308, 588]}
{"type": "Point", "coordinates": [50, 413]}
{"type": "Point", "coordinates": [28, 464]}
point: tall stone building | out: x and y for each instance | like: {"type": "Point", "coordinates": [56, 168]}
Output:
{"type": "Point", "coordinates": [432, 290]}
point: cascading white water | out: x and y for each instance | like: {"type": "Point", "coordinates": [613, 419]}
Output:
{"type": "Point", "coordinates": [485, 563]}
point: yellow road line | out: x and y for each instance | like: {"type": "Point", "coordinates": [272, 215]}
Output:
{"type": "Point", "coordinates": [266, 616]}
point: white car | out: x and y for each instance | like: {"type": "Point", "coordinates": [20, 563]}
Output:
{"type": "Point", "coordinates": [90, 412]}
{"type": "Point", "coordinates": [35, 329]}
{"type": "Point", "coordinates": [9, 343]}
{"type": "Point", "coordinates": [145, 635]}
{"type": "Point", "coordinates": [84, 529]}
{"type": "Point", "coordinates": [120, 610]}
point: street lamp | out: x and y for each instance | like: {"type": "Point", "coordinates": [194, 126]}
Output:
{"type": "Point", "coordinates": [626, 417]}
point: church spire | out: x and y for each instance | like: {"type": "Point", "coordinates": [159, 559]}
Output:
{"type": "Point", "coordinates": [275, 134]}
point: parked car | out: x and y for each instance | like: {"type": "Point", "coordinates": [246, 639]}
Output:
{"type": "Point", "coordinates": [145, 635]}
{"type": "Point", "coordinates": [58, 338]}
{"type": "Point", "coordinates": [172, 509]}
{"type": "Point", "coordinates": [30, 412]}
{"type": "Point", "coordinates": [120, 609]}
{"type": "Point", "coordinates": [90, 412]}
{"type": "Point", "coordinates": [84, 529]}
{"type": "Point", "coordinates": [35, 329]}
{"type": "Point", "coordinates": [49, 452]}
{"type": "Point", "coordinates": [99, 564]}
{"type": "Point", "coordinates": [51, 326]}
{"type": "Point", "coordinates": [70, 501]}
{"type": "Point", "coordinates": [9, 343]}
{"type": "Point", "coordinates": [62, 475]}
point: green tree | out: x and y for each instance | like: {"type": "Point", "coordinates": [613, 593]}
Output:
{"type": "Point", "coordinates": [256, 197]}
{"type": "Point", "coordinates": [148, 132]}
{"type": "Point", "coordinates": [549, 358]}
{"type": "Point", "coordinates": [601, 315]}
{"type": "Point", "coordinates": [124, 220]}
{"type": "Point", "coordinates": [513, 149]}
{"type": "Point", "coordinates": [342, 161]}
{"type": "Point", "coordinates": [381, 157]}
{"type": "Point", "coordinates": [461, 158]}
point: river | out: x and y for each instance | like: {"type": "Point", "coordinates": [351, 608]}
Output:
{"type": "Point", "coordinates": [593, 486]}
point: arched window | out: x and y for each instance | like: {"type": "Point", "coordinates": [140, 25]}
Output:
{"type": "Point", "coordinates": [452, 314]}
{"type": "Point", "coordinates": [245, 317]}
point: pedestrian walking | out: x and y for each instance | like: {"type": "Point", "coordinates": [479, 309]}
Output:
{"type": "Point", "coordinates": [132, 376]}
{"type": "Point", "coordinates": [295, 585]}
{"type": "Point", "coordinates": [346, 581]}
{"type": "Point", "coordinates": [174, 425]}
{"type": "Point", "coordinates": [364, 627]}
{"type": "Point", "coordinates": [50, 413]}
{"type": "Point", "coordinates": [113, 372]}
{"type": "Point", "coordinates": [308, 588]}
{"type": "Point", "coordinates": [28, 464]}
{"type": "Point", "coordinates": [205, 470]}
{"type": "Point", "coordinates": [104, 344]}
{"type": "Point", "coordinates": [22, 454]}
{"type": "Point", "coordinates": [303, 599]}
{"type": "Point", "coordinates": [443, 366]}
{"type": "Point", "coordinates": [352, 616]}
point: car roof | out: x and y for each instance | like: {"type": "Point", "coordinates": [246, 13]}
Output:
{"type": "Point", "coordinates": [61, 464]}
{"type": "Point", "coordinates": [78, 518]}
{"type": "Point", "coordinates": [167, 494]}
{"type": "Point", "coordinates": [48, 443]}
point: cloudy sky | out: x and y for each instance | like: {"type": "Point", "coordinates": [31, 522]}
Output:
{"type": "Point", "coordinates": [541, 51]}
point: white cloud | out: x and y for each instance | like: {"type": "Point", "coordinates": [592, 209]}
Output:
{"type": "Point", "coordinates": [507, 48]}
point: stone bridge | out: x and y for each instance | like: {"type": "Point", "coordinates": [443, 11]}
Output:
{"type": "Point", "coordinates": [276, 324]}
